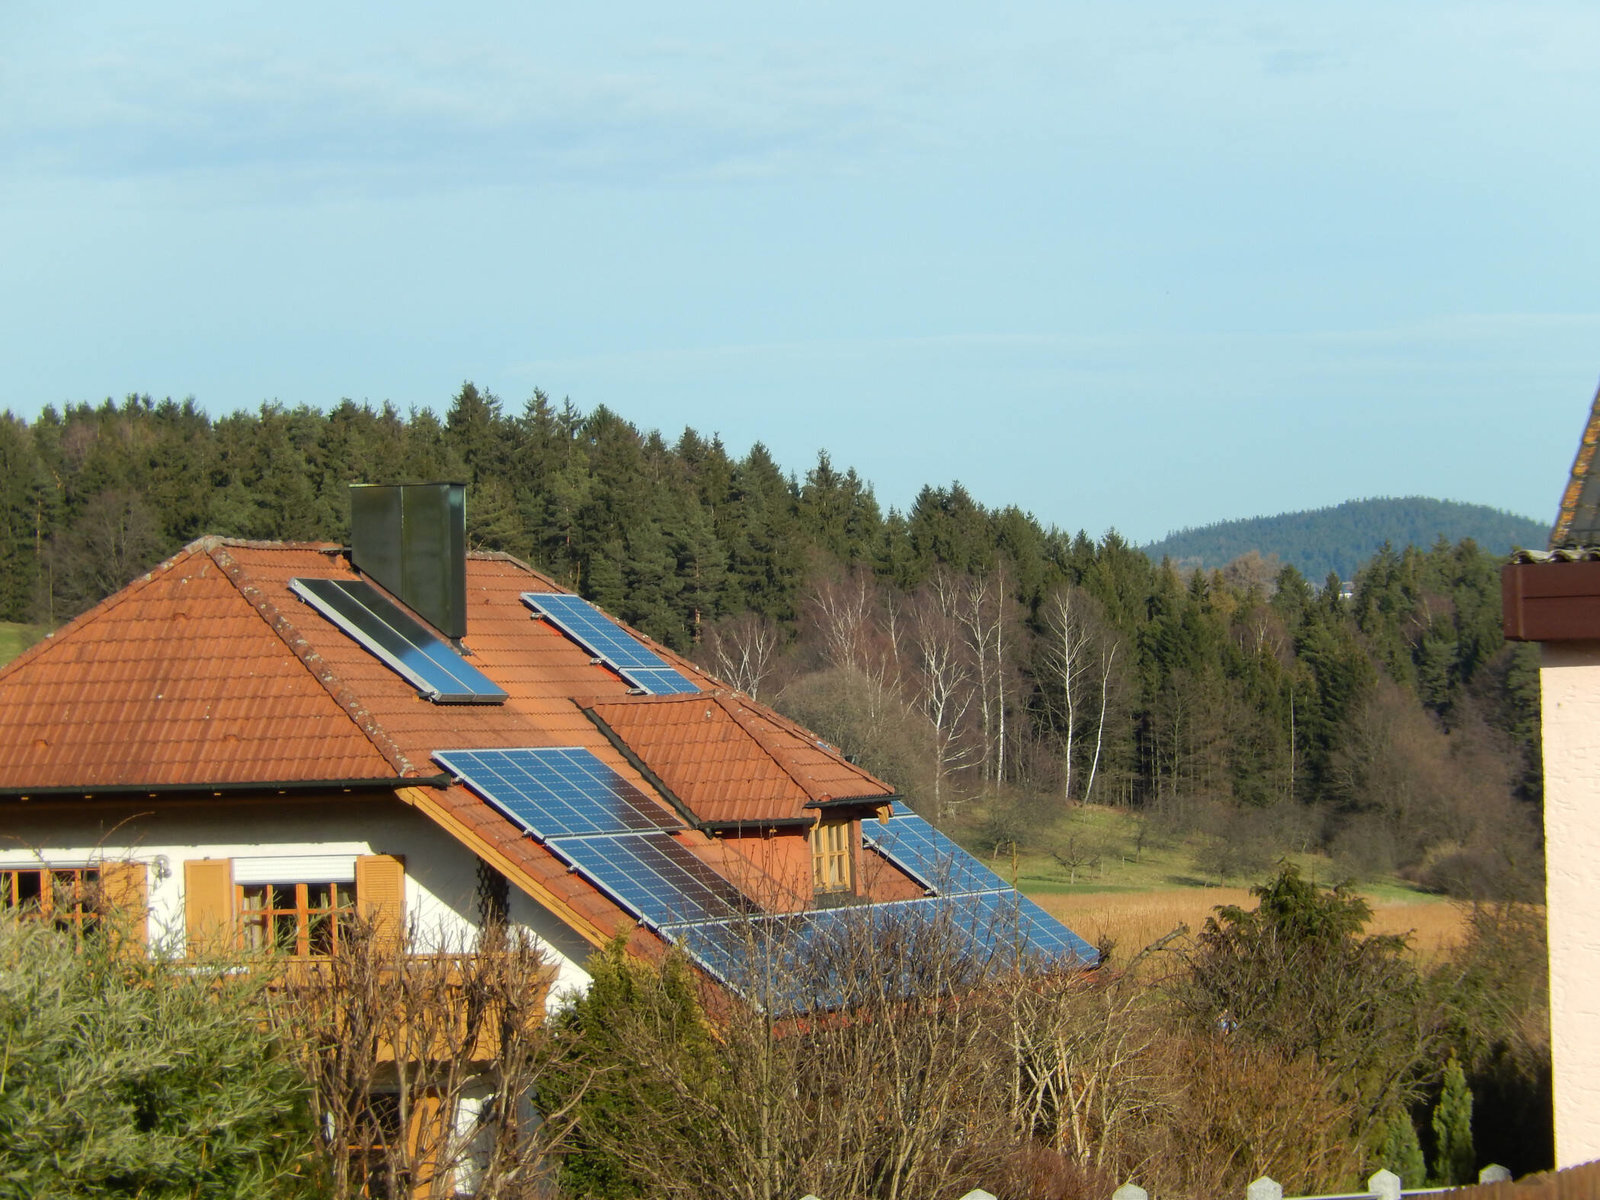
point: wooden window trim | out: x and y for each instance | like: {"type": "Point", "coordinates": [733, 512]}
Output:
{"type": "Point", "coordinates": [832, 860]}
{"type": "Point", "coordinates": [67, 896]}
{"type": "Point", "coordinates": [302, 919]}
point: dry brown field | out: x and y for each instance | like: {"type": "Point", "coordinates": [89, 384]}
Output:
{"type": "Point", "coordinates": [1136, 919]}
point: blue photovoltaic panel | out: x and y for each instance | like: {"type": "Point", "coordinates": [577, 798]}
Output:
{"type": "Point", "coordinates": [928, 856]}
{"type": "Point", "coordinates": [653, 876]}
{"type": "Point", "coordinates": [659, 681]}
{"type": "Point", "coordinates": [409, 648]}
{"type": "Point", "coordinates": [609, 642]}
{"type": "Point", "coordinates": [841, 957]}
{"type": "Point", "coordinates": [557, 792]}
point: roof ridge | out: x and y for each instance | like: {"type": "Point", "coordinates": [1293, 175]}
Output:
{"type": "Point", "coordinates": [795, 729]}
{"type": "Point", "coordinates": [117, 598]}
{"type": "Point", "coordinates": [736, 713]}
{"type": "Point", "coordinates": [341, 694]}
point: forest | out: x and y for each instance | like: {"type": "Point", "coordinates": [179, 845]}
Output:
{"type": "Point", "coordinates": [998, 670]}
{"type": "Point", "coordinates": [1005, 674]}
{"type": "Point", "coordinates": [1342, 537]}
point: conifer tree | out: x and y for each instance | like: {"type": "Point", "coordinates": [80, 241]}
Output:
{"type": "Point", "coordinates": [1454, 1159]}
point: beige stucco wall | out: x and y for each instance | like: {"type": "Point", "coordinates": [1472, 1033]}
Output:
{"type": "Point", "coordinates": [1570, 682]}
{"type": "Point", "coordinates": [441, 875]}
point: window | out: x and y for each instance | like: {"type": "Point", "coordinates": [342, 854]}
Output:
{"type": "Point", "coordinates": [300, 919]}
{"type": "Point", "coordinates": [830, 856]}
{"type": "Point", "coordinates": [298, 904]}
{"type": "Point", "coordinates": [68, 896]}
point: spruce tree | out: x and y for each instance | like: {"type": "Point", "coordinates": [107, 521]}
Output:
{"type": "Point", "coordinates": [1402, 1152]}
{"type": "Point", "coordinates": [1454, 1158]}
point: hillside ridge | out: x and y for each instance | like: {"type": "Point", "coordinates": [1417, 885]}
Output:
{"type": "Point", "coordinates": [1338, 538]}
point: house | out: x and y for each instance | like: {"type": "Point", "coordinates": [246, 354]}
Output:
{"type": "Point", "coordinates": [254, 738]}
{"type": "Point", "coordinates": [1553, 597]}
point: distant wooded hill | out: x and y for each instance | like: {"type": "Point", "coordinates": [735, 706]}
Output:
{"type": "Point", "coordinates": [1340, 538]}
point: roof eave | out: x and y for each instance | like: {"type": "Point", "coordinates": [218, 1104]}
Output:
{"type": "Point", "coordinates": [90, 791]}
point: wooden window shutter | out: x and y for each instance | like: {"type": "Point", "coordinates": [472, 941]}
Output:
{"type": "Point", "coordinates": [208, 904]}
{"type": "Point", "coordinates": [381, 894]}
{"type": "Point", "coordinates": [125, 894]}
{"type": "Point", "coordinates": [425, 1144]}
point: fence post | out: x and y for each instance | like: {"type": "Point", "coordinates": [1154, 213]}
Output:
{"type": "Point", "coordinates": [1265, 1188]}
{"type": "Point", "coordinates": [1130, 1191]}
{"type": "Point", "coordinates": [1494, 1173]}
{"type": "Point", "coordinates": [1385, 1185]}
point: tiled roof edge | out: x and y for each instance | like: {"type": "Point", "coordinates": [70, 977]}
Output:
{"type": "Point", "coordinates": [736, 713]}
{"type": "Point", "coordinates": [800, 731]}
{"type": "Point", "coordinates": [502, 556]}
{"type": "Point", "coordinates": [313, 662]}
{"type": "Point", "coordinates": [117, 598]}
{"type": "Point", "coordinates": [1559, 555]}
{"type": "Point", "coordinates": [1581, 465]}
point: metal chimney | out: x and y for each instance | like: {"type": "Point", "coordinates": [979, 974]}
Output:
{"type": "Point", "coordinates": [412, 539]}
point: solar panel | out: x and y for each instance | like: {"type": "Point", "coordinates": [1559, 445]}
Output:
{"type": "Point", "coordinates": [557, 792]}
{"type": "Point", "coordinates": [609, 642]}
{"type": "Point", "coordinates": [407, 646]}
{"type": "Point", "coordinates": [928, 856]}
{"type": "Point", "coordinates": [834, 958]}
{"type": "Point", "coordinates": [653, 876]}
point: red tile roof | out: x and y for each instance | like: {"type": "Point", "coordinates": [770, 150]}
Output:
{"type": "Point", "coordinates": [210, 672]}
{"type": "Point", "coordinates": [729, 761]}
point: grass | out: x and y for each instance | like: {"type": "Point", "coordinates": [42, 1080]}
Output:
{"type": "Point", "coordinates": [15, 638]}
{"type": "Point", "coordinates": [1133, 886]}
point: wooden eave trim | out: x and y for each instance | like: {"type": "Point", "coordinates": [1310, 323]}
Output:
{"type": "Point", "coordinates": [419, 798]}
{"type": "Point", "coordinates": [1550, 601]}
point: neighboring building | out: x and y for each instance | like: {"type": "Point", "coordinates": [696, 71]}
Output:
{"type": "Point", "coordinates": [253, 738]}
{"type": "Point", "coordinates": [1554, 598]}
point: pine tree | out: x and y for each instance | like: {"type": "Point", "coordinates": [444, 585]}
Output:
{"type": "Point", "coordinates": [1402, 1152]}
{"type": "Point", "coordinates": [1454, 1159]}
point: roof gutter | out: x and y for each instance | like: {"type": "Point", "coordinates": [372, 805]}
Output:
{"type": "Point", "coordinates": [279, 787]}
{"type": "Point", "coordinates": [876, 799]}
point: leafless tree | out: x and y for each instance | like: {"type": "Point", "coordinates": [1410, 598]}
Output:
{"type": "Point", "coordinates": [423, 1065]}
{"type": "Point", "coordinates": [1081, 656]}
{"type": "Point", "coordinates": [743, 650]}
{"type": "Point", "coordinates": [943, 688]}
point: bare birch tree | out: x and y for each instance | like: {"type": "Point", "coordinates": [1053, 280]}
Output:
{"type": "Point", "coordinates": [743, 650]}
{"type": "Point", "coordinates": [943, 689]}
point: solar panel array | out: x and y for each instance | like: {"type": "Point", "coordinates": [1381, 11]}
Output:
{"type": "Point", "coordinates": [621, 841]}
{"type": "Point", "coordinates": [839, 957]}
{"type": "Point", "coordinates": [609, 642]}
{"type": "Point", "coordinates": [608, 830]}
{"type": "Point", "coordinates": [928, 856]}
{"type": "Point", "coordinates": [408, 647]}
{"type": "Point", "coordinates": [654, 876]}
{"type": "Point", "coordinates": [557, 792]}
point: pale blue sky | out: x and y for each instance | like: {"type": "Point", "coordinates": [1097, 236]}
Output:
{"type": "Point", "coordinates": [1136, 264]}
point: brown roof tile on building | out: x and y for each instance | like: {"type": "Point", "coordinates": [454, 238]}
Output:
{"type": "Point", "coordinates": [729, 762]}
{"type": "Point", "coordinates": [211, 672]}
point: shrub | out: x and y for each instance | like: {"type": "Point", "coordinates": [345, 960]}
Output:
{"type": "Point", "coordinates": [134, 1075]}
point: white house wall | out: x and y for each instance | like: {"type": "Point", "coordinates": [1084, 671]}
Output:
{"type": "Point", "coordinates": [1570, 682]}
{"type": "Point", "coordinates": [441, 876]}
